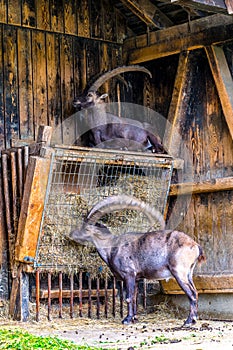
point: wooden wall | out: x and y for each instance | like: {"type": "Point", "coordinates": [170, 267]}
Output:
{"type": "Point", "coordinates": [208, 217]}
{"type": "Point", "coordinates": [49, 51]}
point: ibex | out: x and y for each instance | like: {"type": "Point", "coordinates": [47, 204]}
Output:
{"type": "Point", "coordinates": [104, 127]}
{"type": "Point", "coordinates": [160, 254]}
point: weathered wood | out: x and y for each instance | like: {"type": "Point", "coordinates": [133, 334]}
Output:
{"type": "Point", "coordinates": [148, 13]}
{"type": "Point", "coordinates": [214, 185]}
{"type": "Point", "coordinates": [204, 32]}
{"type": "Point", "coordinates": [204, 284]}
{"type": "Point", "coordinates": [29, 13]}
{"type": "Point", "coordinates": [7, 202]}
{"type": "Point", "coordinates": [53, 79]}
{"type": "Point", "coordinates": [57, 16]}
{"type": "Point", "coordinates": [83, 18]}
{"type": "Point", "coordinates": [42, 15]}
{"type": "Point", "coordinates": [44, 135]}
{"type": "Point", "coordinates": [223, 80]}
{"type": "Point", "coordinates": [3, 8]}
{"type": "Point", "coordinates": [177, 111]}
{"type": "Point", "coordinates": [204, 5]}
{"type": "Point", "coordinates": [11, 88]}
{"type": "Point", "coordinates": [70, 20]}
{"type": "Point", "coordinates": [2, 105]}
{"type": "Point", "coordinates": [32, 209]}
{"type": "Point", "coordinates": [14, 11]}
{"type": "Point", "coordinates": [67, 75]}
{"type": "Point", "coordinates": [25, 83]}
{"type": "Point", "coordinates": [39, 80]}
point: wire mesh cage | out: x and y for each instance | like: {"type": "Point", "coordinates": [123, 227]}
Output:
{"type": "Point", "coordinates": [79, 178]}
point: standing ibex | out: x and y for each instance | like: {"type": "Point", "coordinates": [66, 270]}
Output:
{"type": "Point", "coordinates": [152, 255]}
{"type": "Point", "coordinates": [104, 127]}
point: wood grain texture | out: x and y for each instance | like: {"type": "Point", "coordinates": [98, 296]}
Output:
{"type": "Point", "coordinates": [25, 79]}
{"type": "Point", "coordinates": [32, 208]}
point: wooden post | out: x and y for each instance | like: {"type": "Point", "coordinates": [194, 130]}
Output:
{"type": "Point", "coordinates": [177, 111]}
{"type": "Point", "coordinates": [29, 225]}
{"type": "Point", "coordinates": [223, 81]}
{"type": "Point", "coordinates": [32, 209]}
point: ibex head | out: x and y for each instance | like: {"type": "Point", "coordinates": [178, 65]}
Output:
{"type": "Point", "coordinates": [93, 98]}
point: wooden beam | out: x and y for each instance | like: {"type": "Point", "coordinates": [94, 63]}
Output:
{"type": "Point", "coordinates": [148, 13]}
{"type": "Point", "coordinates": [223, 81]}
{"type": "Point", "coordinates": [172, 137]}
{"type": "Point", "coordinates": [214, 185]}
{"type": "Point", "coordinates": [32, 209]}
{"type": "Point", "coordinates": [203, 5]}
{"type": "Point", "coordinates": [198, 34]}
{"type": "Point", "coordinates": [204, 284]}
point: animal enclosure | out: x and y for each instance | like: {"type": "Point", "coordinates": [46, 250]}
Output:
{"type": "Point", "coordinates": [78, 179]}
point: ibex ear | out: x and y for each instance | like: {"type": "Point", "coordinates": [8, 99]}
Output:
{"type": "Point", "coordinates": [102, 97]}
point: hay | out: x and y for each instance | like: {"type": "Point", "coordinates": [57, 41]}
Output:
{"type": "Point", "coordinates": [65, 211]}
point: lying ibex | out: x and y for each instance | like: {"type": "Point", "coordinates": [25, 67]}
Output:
{"type": "Point", "coordinates": [103, 126]}
{"type": "Point", "coordinates": [152, 255]}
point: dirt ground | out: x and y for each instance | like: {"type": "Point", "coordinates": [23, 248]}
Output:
{"type": "Point", "coordinates": [158, 330]}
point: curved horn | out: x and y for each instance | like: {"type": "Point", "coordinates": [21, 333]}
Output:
{"type": "Point", "coordinates": [110, 74]}
{"type": "Point", "coordinates": [119, 202]}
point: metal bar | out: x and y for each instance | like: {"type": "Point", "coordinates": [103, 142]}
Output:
{"type": "Point", "coordinates": [121, 299]}
{"type": "Point", "coordinates": [114, 297]}
{"type": "Point", "coordinates": [144, 294]}
{"type": "Point", "coordinates": [106, 297]}
{"type": "Point", "coordinates": [89, 297]}
{"type": "Point", "coordinates": [72, 295]}
{"type": "Point", "coordinates": [98, 298]}
{"type": "Point", "coordinates": [60, 294]}
{"type": "Point", "coordinates": [37, 295]}
{"type": "Point", "coordinates": [49, 296]}
{"type": "Point", "coordinates": [80, 294]}
{"type": "Point", "coordinates": [26, 159]}
{"type": "Point", "coordinates": [20, 173]}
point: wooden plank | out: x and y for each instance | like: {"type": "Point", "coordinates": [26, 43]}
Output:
{"type": "Point", "coordinates": [66, 293]}
{"type": "Point", "coordinates": [83, 18]}
{"type": "Point", "coordinates": [53, 79]}
{"type": "Point", "coordinates": [25, 84]}
{"type": "Point", "coordinates": [109, 21]}
{"type": "Point", "coordinates": [148, 13]}
{"type": "Point", "coordinates": [29, 13]}
{"type": "Point", "coordinates": [39, 80]}
{"type": "Point", "coordinates": [204, 32]}
{"type": "Point", "coordinates": [67, 75]}
{"type": "Point", "coordinates": [223, 81]}
{"type": "Point", "coordinates": [217, 6]}
{"type": "Point", "coordinates": [203, 283]}
{"type": "Point", "coordinates": [14, 12]}
{"type": "Point", "coordinates": [2, 104]}
{"type": "Point", "coordinates": [43, 15]}
{"type": "Point", "coordinates": [70, 19]}
{"type": "Point", "coordinates": [177, 110]}
{"type": "Point", "coordinates": [214, 185]}
{"type": "Point", "coordinates": [32, 208]}
{"type": "Point", "coordinates": [96, 19]}
{"type": "Point", "coordinates": [3, 11]}
{"type": "Point", "coordinates": [57, 16]}
{"type": "Point", "coordinates": [11, 88]}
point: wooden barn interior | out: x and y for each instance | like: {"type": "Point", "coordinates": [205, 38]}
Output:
{"type": "Point", "coordinates": [51, 50]}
